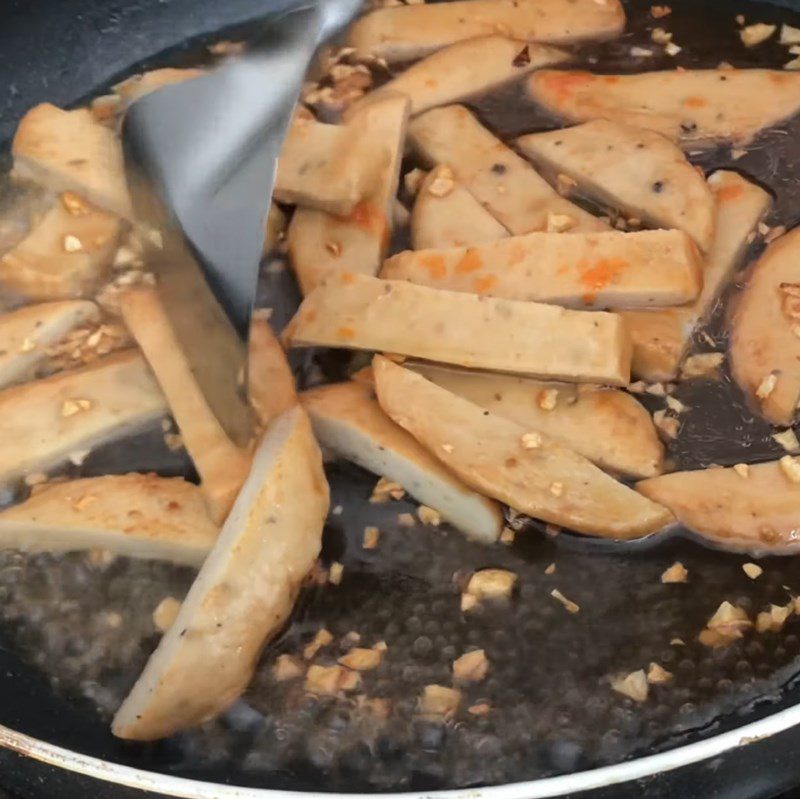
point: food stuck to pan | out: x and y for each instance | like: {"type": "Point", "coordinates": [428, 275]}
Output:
{"type": "Point", "coordinates": [524, 497]}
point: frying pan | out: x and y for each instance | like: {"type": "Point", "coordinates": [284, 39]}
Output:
{"type": "Point", "coordinates": [728, 726]}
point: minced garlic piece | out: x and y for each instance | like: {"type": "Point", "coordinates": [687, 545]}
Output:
{"type": "Point", "coordinates": [792, 65]}
{"type": "Point", "coordinates": [330, 680]}
{"type": "Point", "coordinates": [438, 700]}
{"type": "Point", "coordinates": [672, 49]}
{"type": "Point", "coordinates": [360, 659]}
{"type": "Point", "coordinates": [443, 182]}
{"type": "Point", "coordinates": [72, 243]}
{"type": "Point", "coordinates": [660, 36]}
{"type": "Point", "coordinates": [73, 204]}
{"type": "Point", "coordinates": [675, 405]}
{"type": "Point", "coordinates": [336, 572]}
{"type": "Point", "coordinates": [787, 439]}
{"type": "Point", "coordinates": [724, 626]}
{"type": "Point", "coordinates": [531, 441]}
{"type": "Point", "coordinates": [507, 536]}
{"type": "Point", "coordinates": [406, 520]}
{"type": "Point", "coordinates": [27, 345]}
{"type": "Point", "coordinates": [481, 709]}
{"type": "Point", "coordinates": [556, 489]}
{"type": "Point", "coordinates": [385, 490]}
{"type": "Point", "coordinates": [757, 33]}
{"type": "Point", "coordinates": [658, 675]}
{"type": "Point", "coordinates": [471, 667]}
{"type": "Point", "coordinates": [72, 406]}
{"type": "Point", "coordinates": [569, 605]}
{"type": "Point", "coordinates": [701, 365]}
{"type": "Point", "coordinates": [656, 12]}
{"type": "Point", "coordinates": [429, 516]}
{"type": "Point", "coordinates": [286, 668]}
{"type": "Point", "coordinates": [564, 183]}
{"type": "Point", "coordinates": [491, 584]}
{"type": "Point", "coordinates": [468, 602]}
{"type": "Point", "coordinates": [633, 685]}
{"type": "Point", "coordinates": [551, 569]}
{"type": "Point", "coordinates": [677, 573]}
{"type": "Point", "coordinates": [742, 469]}
{"type": "Point", "coordinates": [322, 638]}
{"type": "Point", "coordinates": [559, 223]}
{"type": "Point", "coordinates": [413, 180]}
{"type": "Point", "coordinates": [371, 536]}
{"type": "Point", "coordinates": [448, 448]}
{"type": "Point", "coordinates": [165, 613]}
{"type": "Point", "coordinates": [773, 619]}
{"type": "Point", "coordinates": [752, 570]}
{"type": "Point", "coordinates": [548, 397]}
{"type": "Point", "coordinates": [791, 468]}
{"type": "Point", "coordinates": [669, 426]}
{"type": "Point", "coordinates": [640, 52]}
{"type": "Point", "coordinates": [334, 248]}
{"type": "Point", "coordinates": [789, 35]}
{"type": "Point", "coordinates": [767, 386]}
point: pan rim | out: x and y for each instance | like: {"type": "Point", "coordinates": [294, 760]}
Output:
{"type": "Point", "coordinates": [565, 784]}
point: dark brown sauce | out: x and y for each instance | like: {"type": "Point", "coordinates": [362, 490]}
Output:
{"type": "Point", "coordinates": [552, 707]}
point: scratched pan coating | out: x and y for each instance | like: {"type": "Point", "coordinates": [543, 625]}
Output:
{"type": "Point", "coordinates": [85, 631]}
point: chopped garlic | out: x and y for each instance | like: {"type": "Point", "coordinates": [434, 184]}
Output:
{"type": "Point", "coordinates": [742, 469]}
{"type": "Point", "coordinates": [660, 36]}
{"type": "Point", "coordinates": [792, 65]}
{"type": "Point", "coordinates": [551, 569]}
{"type": "Point", "coordinates": [702, 365]}
{"type": "Point", "coordinates": [438, 700]}
{"type": "Point", "coordinates": [674, 404]}
{"type": "Point", "coordinates": [633, 685]}
{"type": "Point", "coordinates": [767, 386]}
{"type": "Point", "coordinates": [789, 35]}
{"type": "Point", "coordinates": [773, 619]}
{"type": "Point", "coordinates": [386, 489]}
{"type": "Point", "coordinates": [481, 709]}
{"type": "Point", "coordinates": [471, 667]}
{"type": "Point", "coordinates": [752, 570]}
{"type": "Point", "coordinates": [672, 49]}
{"type": "Point", "coordinates": [491, 584]}
{"type": "Point", "coordinates": [448, 448]}
{"type": "Point", "coordinates": [669, 426]}
{"type": "Point", "coordinates": [286, 668]}
{"type": "Point", "coordinates": [787, 439]}
{"type": "Point", "coordinates": [336, 572]}
{"type": "Point", "coordinates": [656, 12]}
{"type": "Point", "coordinates": [406, 520]}
{"type": "Point", "coordinates": [791, 468]}
{"type": "Point", "coordinates": [507, 536]}
{"type": "Point", "coordinates": [413, 180]}
{"type": "Point", "coordinates": [330, 680]}
{"type": "Point", "coordinates": [640, 52]}
{"type": "Point", "coordinates": [559, 223]}
{"type": "Point", "coordinates": [360, 659]}
{"type": "Point", "coordinates": [468, 602]}
{"type": "Point", "coordinates": [531, 441]}
{"type": "Point", "coordinates": [442, 183]}
{"type": "Point", "coordinates": [569, 605]}
{"type": "Point", "coordinates": [371, 536]}
{"type": "Point", "coordinates": [322, 638]}
{"type": "Point", "coordinates": [753, 35]}
{"type": "Point", "coordinates": [658, 675]}
{"type": "Point", "coordinates": [556, 489]}
{"type": "Point", "coordinates": [165, 613]}
{"type": "Point", "coordinates": [548, 397]}
{"type": "Point", "coordinates": [677, 573]}
{"type": "Point", "coordinates": [725, 626]}
{"type": "Point", "coordinates": [72, 244]}
{"type": "Point", "coordinates": [429, 516]}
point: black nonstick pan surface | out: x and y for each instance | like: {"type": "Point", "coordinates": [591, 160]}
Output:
{"type": "Point", "coordinates": [74, 635]}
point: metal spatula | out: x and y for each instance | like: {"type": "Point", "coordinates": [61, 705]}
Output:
{"type": "Point", "coordinates": [201, 159]}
